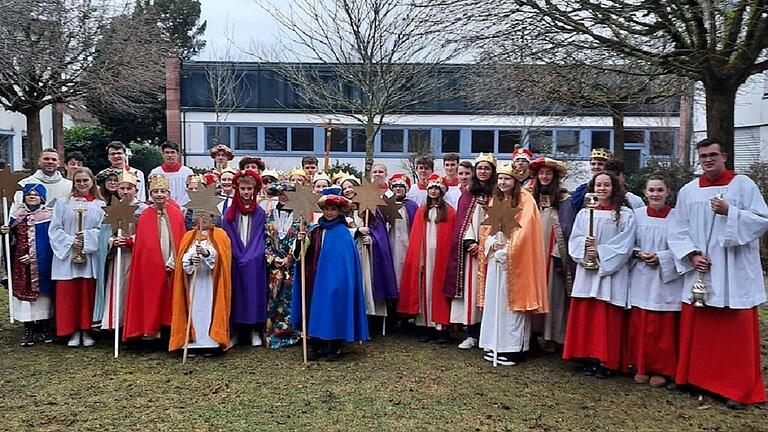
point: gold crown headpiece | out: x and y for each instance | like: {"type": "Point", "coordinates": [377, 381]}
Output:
{"type": "Point", "coordinates": [297, 171]}
{"type": "Point", "coordinates": [340, 175]}
{"type": "Point", "coordinates": [127, 177]}
{"type": "Point", "coordinates": [321, 176]}
{"type": "Point", "coordinates": [158, 181]}
{"type": "Point", "coordinates": [485, 157]}
{"type": "Point", "coordinates": [601, 153]}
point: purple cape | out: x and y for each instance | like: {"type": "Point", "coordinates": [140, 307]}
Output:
{"type": "Point", "coordinates": [454, 277]}
{"type": "Point", "coordinates": [249, 270]}
{"type": "Point", "coordinates": [410, 208]}
{"type": "Point", "coordinates": [382, 267]}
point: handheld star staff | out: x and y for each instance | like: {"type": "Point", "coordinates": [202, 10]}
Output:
{"type": "Point", "coordinates": [302, 202]}
{"type": "Point", "coordinates": [501, 217]}
{"type": "Point", "coordinates": [118, 214]}
{"type": "Point", "coordinates": [9, 184]}
{"type": "Point", "coordinates": [390, 209]}
{"type": "Point", "coordinates": [203, 202]}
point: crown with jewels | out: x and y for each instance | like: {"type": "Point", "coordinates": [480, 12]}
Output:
{"type": "Point", "coordinates": [485, 157]}
{"type": "Point", "coordinates": [435, 180]}
{"type": "Point", "coordinates": [158, 181]}
{"type": "Point", "coordinates": [601, 153]}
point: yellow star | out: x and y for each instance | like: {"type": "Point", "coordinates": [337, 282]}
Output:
{"type": "Point", "coordinates": [119, 215]}
{"type": "Point", "coordinates": [204, 201]}
{"type": "Point", "coordinates": [368, 197]}
{"type": "Point", "coordinates": [303, 202]}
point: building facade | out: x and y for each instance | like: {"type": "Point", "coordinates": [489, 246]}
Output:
{"type": "Point", "coordinates": [13, 135]}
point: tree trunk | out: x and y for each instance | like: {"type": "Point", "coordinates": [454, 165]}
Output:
{"type": "Point", "coordinates": [618, 135]}
{"type": "Point", "coordinates": [34, 136]}
{"type": "Point", "coordinates": [370, 134]}
{"type": "Point", "coordinates": [721, 105]}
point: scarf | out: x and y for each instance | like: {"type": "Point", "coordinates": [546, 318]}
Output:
{"type": "Point", "coordinates": [171, 168]}
{"type": "Point", "coordinates": [40, 175]}
{"type": "Point", "coordinates": [661, 213]}
{"type": "Point", "coordinates": [723, 179]}
{"type": "Point", "coordinates": [238, 206]}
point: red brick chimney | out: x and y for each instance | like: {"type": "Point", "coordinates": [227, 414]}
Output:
{"type": "Point", "coordinates": [173, 100]}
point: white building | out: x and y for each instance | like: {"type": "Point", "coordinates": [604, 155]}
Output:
{"type": "Point", "coordinates": [13, 135]}
{"type": "Point", "coordinates": [271, 122]}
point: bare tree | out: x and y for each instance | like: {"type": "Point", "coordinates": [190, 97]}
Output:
{"type": "Point", "coordinates": [574, 89]}
{"type": "Point", "coordinates": [226, 84]}
{"type": "Point", "coordinates": [720, 43]}
{"type": "Point", "coordinates": [49, 53]}
{"type": "Point", "coordinates": [378, 60]}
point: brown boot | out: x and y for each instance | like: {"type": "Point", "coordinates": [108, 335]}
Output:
{"type": "Point", "coordinates": [642, 379]}
{"type": "Point", "coordinates": [658, 381]}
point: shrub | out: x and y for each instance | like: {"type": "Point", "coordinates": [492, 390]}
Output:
{"type": "Point", "coordinates": [348, 167]}
{"type": "Point", "coordinates": [92, 142]}
{"type": "Point", "coordinates": [145, 157]}
{"type": "Point", "coordinates": [676, 174]}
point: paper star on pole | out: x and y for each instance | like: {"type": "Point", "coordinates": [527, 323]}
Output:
{"type": "Point", "coordinates": [368, 197]}
{"type": "Point", "coordinates": [501, 216]}
{"type": "Point", "coordinates": [119, 215]}
{"type": "Point", "coordinates": [204, 201]}
{"type": "Point", "coordinates": [391, 209]}
{"type": "Point", "coordinates": [303, 202]}
{"type": "Point", "coordinates": [9, 181]}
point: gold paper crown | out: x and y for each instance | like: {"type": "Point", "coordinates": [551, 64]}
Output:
{"type": "Point", "coordinates": [507, 169]}
{"type": "Point", "coordinates": [353, 179]}
{"type": "Point", "coordinates": [485, 157]}
{"type": "Point", "coordinates": [321, 176]}
{"type": "Point", "coordinates": [298, 171]}
{"type": "Point", "coordinates": [270, 173]}
{"type": "Point", "coordinates": [127, 177]}
{"type": "Point", "coordinates": [158, 181]}
{"type": "Point", "coordinates": [340, 175]}
{"type": "Point", "coordinates": [601, 153]}
{"type": "Point", "coordinates": [195, 178]}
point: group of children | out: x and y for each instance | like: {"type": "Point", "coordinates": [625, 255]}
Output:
{"type": "Point", "coordinates": [501, 250]}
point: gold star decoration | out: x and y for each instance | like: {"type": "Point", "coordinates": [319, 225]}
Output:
{"type": "Point", "coordinates": [391, 209]}
{"type": "Point", "coordinates": [204, 201]}
{"type": "Point", "coordinates": [368, 198]}
{"type": "Point", "coordinates": [501, 216]}
{"type": "Point", "coordinates": [9, 181]}
{"type": "Point", "coordinates": [120, 214]}
{"type": "Point", "coordinates": [303, 202]}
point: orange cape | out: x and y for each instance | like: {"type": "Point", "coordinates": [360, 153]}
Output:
{"type": "Point", "coordinates": [222, 286]}
{"type": "Point", "coordinates": [526, 261]}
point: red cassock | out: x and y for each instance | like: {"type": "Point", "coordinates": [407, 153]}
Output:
{"type": "Point", "coordinates": [720, 352]}
{"type": "Point", "coordinates": [150, 287]}
{"type": "Point", "coordinates": [652, 342]}
{"type": "Point", "coordinates": [413, 278]}
{"type": "Point", "coordinates": [595, 330]}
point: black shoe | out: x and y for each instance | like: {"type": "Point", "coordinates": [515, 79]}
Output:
{"type": "Point", "coordinates": [334, 355]}
{"type": "Point", "coordinates": [314, 355]}
{"type": "Point", "coordinates": [29, 335]}
{"type": "Point", "coordinates": [442, 337]}
{"type": "Point", "coordinates": [672, 386]}
{"type": "Point", "coordinates": [48, 334]}
{"type": "Point", "coordinates": [602, 373]}
{"type": "Point", "coordinates": [588, 370]}
{"type": "Point", "coordinates": [732, 404]}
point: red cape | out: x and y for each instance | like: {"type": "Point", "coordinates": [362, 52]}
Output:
{"type": "Point", "coordinates": [150, 287]}
{"type": "Point", "coordinates": [408, 303]}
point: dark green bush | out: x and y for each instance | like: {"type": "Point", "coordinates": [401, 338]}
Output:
{"type": "Point", "coordinates": [758, 172]}
{"type": "Point", "coordinates": [145, 157]}
{"type": "Point", "coordinates": [676, 174]}
{"type": "Point", "coordinates": [348, 167]}
{"type": "Point", "coordinates": [92, 142]}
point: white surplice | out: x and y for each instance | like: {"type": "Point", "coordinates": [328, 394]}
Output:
{"type": "Point", "coordinates": [62, 235]}
{"type": "Point", "coordinates": [502, 330]}
{"type": "Point", "coordinates": [202, 301]}
{"type": "Point", "coordinates": [399, 236]}
{"type": "Point", "coordinates": [735, 278]}
{"type": "Point", "coordinates": [615, 243]}
{"type": "Point", "coordinates": [634, 201]}
{"type": "Point", "coordinates": [178, 183]}
{"type": "Point", "coordinates": [655, 288]}
{"type": "Point", "coordinates": [425, 318]}
{"type": "Point", "coordinates": [417, 195]}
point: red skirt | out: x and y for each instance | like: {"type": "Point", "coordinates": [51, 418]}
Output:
{"type": "Point", "coordinates": [74, 305]}
{"type": "Point", "coordinates": [720, 352]}
{"type": "Point", "coordinates": [652, 342]}
{"type": "Point", "coordinates": [594, 331]}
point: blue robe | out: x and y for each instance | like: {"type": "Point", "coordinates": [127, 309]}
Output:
{"type": "Point", "coordinates": [334, 285]}
{"type": "Point", "coordinates": [44, 254]}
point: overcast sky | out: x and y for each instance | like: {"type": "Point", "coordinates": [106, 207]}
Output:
{"type": "Point", "coordinates": [246, 20]}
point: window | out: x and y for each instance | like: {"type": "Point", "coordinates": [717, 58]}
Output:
{"type": "Point", "coordinates": [508, 139]}
{"type": "Point", "coordinates": [662, 143]}
{"type": "Point", "coordinates": [247, 138]}
{"type": "Point", "coordinates": [634, 136]}
{"type": "Point", "coordinates": [302, 139]}
{"type": "Point", "coordinates": [482, 141]}
{"type": "Point", "coordinates": [567, 141]}
{"type": "Point", "coordinates": [451, 139]}
{"type": "Point", "coordinates": [275, 139]}
{"type": "Point", "coordinates": [601, 139]}
{"type": "Point", "coordinates": [419, 140]}
{"type": "Point", "coordinates": [358, 140]}
{"type": "Point", "coordinates": [27, 163]}
{"type": "Point", "coordinates": [392, 140]}
{"type": "Point", "coordinates": [6, 144]}
{"type": "Point", "coordinates": [217, 135]}
{"type": "Point", "coordinates": [339, 140]}
{"type": "Point", "coordinates": [540, 141]}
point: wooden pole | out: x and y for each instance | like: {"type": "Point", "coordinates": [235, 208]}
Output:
{"type": "Point", "coordinates": [116, 289]}
{"type": "Point", "coordinates": [302, 268]}
{"type": "Point", "coordinates": [191, 297]}
{"type": "Point", "coordinates": [7, 244]}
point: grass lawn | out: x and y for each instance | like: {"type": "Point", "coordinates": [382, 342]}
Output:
{"type": "Point", "coordinates": [393, 383]}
